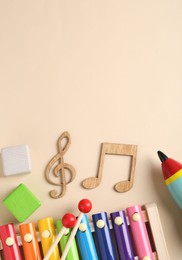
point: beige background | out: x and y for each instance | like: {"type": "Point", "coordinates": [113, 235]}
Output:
{"type": "Point", "coordinates": [106, 71]}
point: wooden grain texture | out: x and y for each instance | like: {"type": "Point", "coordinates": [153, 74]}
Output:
{"type": "Point", "coordinates": [57, 166]}
{"type": "Point", "coordinates": [157, 231]}
{"type": "Point", "coordinates": [114, 149]}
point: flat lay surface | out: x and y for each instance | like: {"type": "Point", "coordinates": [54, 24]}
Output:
{"type": "Point", "coordinates": [105, 72]}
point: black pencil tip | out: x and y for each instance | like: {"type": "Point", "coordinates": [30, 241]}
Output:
{"type": "Point", "coordinates": [162, 156]}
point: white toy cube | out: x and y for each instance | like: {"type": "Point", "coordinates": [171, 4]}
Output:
{"type": "Point", "coordinates": [16, 160]}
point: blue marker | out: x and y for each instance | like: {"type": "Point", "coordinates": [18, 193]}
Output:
{"type": "Point", "coordinates": [172, 172]}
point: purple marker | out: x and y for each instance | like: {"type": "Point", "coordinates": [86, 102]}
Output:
{"type": "Point", "coordinates": [122, 235]}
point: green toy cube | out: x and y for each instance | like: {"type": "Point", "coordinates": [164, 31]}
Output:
{"type": "Point", "coordinates": [21, 203]}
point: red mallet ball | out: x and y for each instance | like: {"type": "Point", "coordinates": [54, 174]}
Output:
{"type": "Point", "coordinates": [85, 205]}
{"type": "Point", "coordinates": [68, 220]}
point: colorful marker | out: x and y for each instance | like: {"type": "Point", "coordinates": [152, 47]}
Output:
{"type": "Point", "coordinates": [172, 172]}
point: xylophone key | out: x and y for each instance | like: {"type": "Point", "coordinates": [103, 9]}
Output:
{"type": "Point", "coordinates": [29, 242]}
{"type": "Point", "coordinates": [85, 240]}
{"type": "Point", "coordinates": [139, 233]}
{"type": "Point", "coordinates": [47, 237]}
{"type": "Point", "coordinates": [122, 235]}
{"type": "Point", "coordinates": [103, 236]}
{"type": "Point", "coordinates": [68, 221]}
{"type": "Point", "coordinates": [84, 206]}
{"type": "Point", "coordinates": [9, 242]}
{"type": "Point", "coordinates": [73, 252]}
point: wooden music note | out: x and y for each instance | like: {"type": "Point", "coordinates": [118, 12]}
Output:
{"type": "Point", "coordinates": [114, 149]}
{"type": "Point", "coordinates": [59, 169]}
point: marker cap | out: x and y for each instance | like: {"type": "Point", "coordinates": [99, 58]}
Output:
{"type": "Point", "coordinates": [170, 167]}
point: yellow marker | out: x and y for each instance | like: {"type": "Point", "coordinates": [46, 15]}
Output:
{"type": "Point", "coordinates": [47, 237]}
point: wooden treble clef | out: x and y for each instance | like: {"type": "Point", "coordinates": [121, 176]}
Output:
{"type": "Point", "coordinates": [59, 169]}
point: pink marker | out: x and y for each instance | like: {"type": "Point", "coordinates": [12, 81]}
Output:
{"type": "Point", "coordinates": [139, 233]}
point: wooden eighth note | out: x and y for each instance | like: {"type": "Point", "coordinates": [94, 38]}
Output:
{"type": "Point", "coordinates": [57, 166]}
{"type": "Point", "coordinates": [114, 149]}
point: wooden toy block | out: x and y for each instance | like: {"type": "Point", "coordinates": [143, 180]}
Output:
{"type": "Point", "coordinates": [16, 160]}
{"type": "Point", "coordinates": [21, 203]}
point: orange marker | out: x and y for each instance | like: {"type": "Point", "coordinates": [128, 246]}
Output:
{"type": "Point", "coordinates": [29, 242]}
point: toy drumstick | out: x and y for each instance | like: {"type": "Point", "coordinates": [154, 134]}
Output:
{"type": "Point", "coordinates": [84, 206]}
{"type": "Point", "coordinates": [68, 221]}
